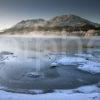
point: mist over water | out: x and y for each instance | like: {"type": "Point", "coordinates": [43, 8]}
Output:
{"type": "Point", "coordinates": [18, 44]}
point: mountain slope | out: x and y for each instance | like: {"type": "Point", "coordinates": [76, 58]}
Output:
{"type": "Point", "coordinates": [70, 20]}
{"type": "Point", "coordinates": [69, 23]}
{"type": "Point", "coordinates": [30, 23]}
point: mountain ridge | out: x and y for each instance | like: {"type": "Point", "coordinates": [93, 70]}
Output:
{"type": "Point", "coordinates": [68, 23]}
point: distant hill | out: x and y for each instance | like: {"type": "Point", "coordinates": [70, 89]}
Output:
{"type": "Point", "coordinates": [65, 23]}
{"type": "Point", "coordinates": [70, 20]}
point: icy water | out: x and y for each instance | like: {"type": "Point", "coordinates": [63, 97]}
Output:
{"type": "Point", "coordinates": [28, 64]}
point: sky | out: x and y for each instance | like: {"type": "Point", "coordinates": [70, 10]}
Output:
{"type": "Point", "coordinates": [13, 11]}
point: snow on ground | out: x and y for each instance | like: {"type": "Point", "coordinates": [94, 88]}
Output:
{"type": "Point", "coordinates": [82, 93]}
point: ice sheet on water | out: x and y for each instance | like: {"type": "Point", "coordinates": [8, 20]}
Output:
{"type": "Point", "coordinates": [85, 55]}
{"type": "Point", "coordinates": [37, 61]}
{"type": "Point", "coordinates": [90, 66]}
{"type": "Point", "coordinates": [67, 60]}
{"type": "Point", "coordinates": [80, 60]}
